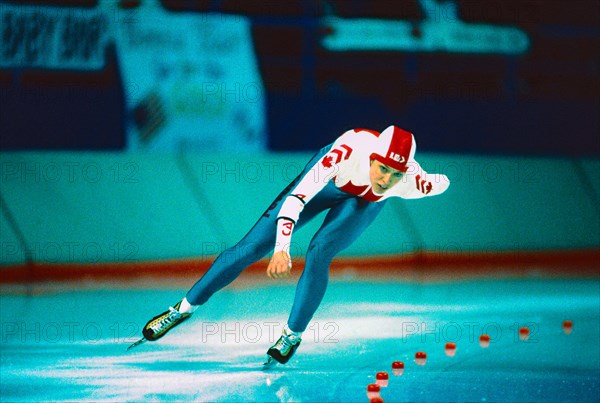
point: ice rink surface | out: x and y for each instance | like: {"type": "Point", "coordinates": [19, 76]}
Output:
{"type": "Point", "coordinates": [69, 343]}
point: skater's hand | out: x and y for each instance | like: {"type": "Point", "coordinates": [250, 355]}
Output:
{"type": "Point", "coordinates": [280, 265]}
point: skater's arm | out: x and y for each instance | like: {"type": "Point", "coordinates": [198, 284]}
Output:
{"type": "Point", "coordinates": [281, 261]}
{"type": "Point", "coordinates": [323, 171]}
{"type": "Point", "coordinates": [311, 184]}
{"type": "Point", "coordinates": [423, 184]}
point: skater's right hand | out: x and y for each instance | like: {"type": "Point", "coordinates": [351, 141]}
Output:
{"type": "Point", "coordinates": [280, 265]}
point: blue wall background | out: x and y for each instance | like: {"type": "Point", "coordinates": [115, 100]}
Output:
{"type": "Point", "coordinates": [99, 207]}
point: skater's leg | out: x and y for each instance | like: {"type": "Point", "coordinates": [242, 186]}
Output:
{"type": "Point", "coordinates": [342, 226]}
{"type": "Point", "coordinates": [223, 271]}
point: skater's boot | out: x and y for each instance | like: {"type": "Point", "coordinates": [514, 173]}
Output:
{"type": "Point", "coordinates": [159, 325]}
{"type": "Point", "coordinates": [285, 347]}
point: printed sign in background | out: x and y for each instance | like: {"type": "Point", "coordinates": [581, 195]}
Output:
{"type": "Point", "coordinates": [190, 81]}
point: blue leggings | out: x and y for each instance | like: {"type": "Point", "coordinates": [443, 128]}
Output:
{"type": "Point", "coordinates": [347, 218]}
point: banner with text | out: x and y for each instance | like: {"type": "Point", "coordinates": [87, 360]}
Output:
{"type": "Point", "coordinates": [191, 80]}
{"type": "Point", "coordinates": [53, 37]}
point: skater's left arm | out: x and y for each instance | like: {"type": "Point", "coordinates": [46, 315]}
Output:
{"type": "Point", "coordinates": [423, 184]}
{"type": "Point", "coordinates": [311, 184]}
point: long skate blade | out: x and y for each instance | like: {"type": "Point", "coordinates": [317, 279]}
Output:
{"type": "Point", "coordinates": [137, 343]}
{"type": "Point", "coordinates": [270, 363]}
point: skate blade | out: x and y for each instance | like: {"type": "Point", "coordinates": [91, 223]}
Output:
{"type": "Point", "coordinates": [137, 343]}
{"type": "Point", "coordinates": [270, 363]}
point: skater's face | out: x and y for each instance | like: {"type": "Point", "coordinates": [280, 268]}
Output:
{"type": "Point", "coordinates": [383, 177]}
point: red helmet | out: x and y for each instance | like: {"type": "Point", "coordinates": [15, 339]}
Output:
{"type": "Point", "coordinates": [395, 148]}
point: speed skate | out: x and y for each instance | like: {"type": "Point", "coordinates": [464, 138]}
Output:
{"type": "Point", "coordinates": [284, 348]}
{"type": "Point", "coordinates": [159, 325]}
